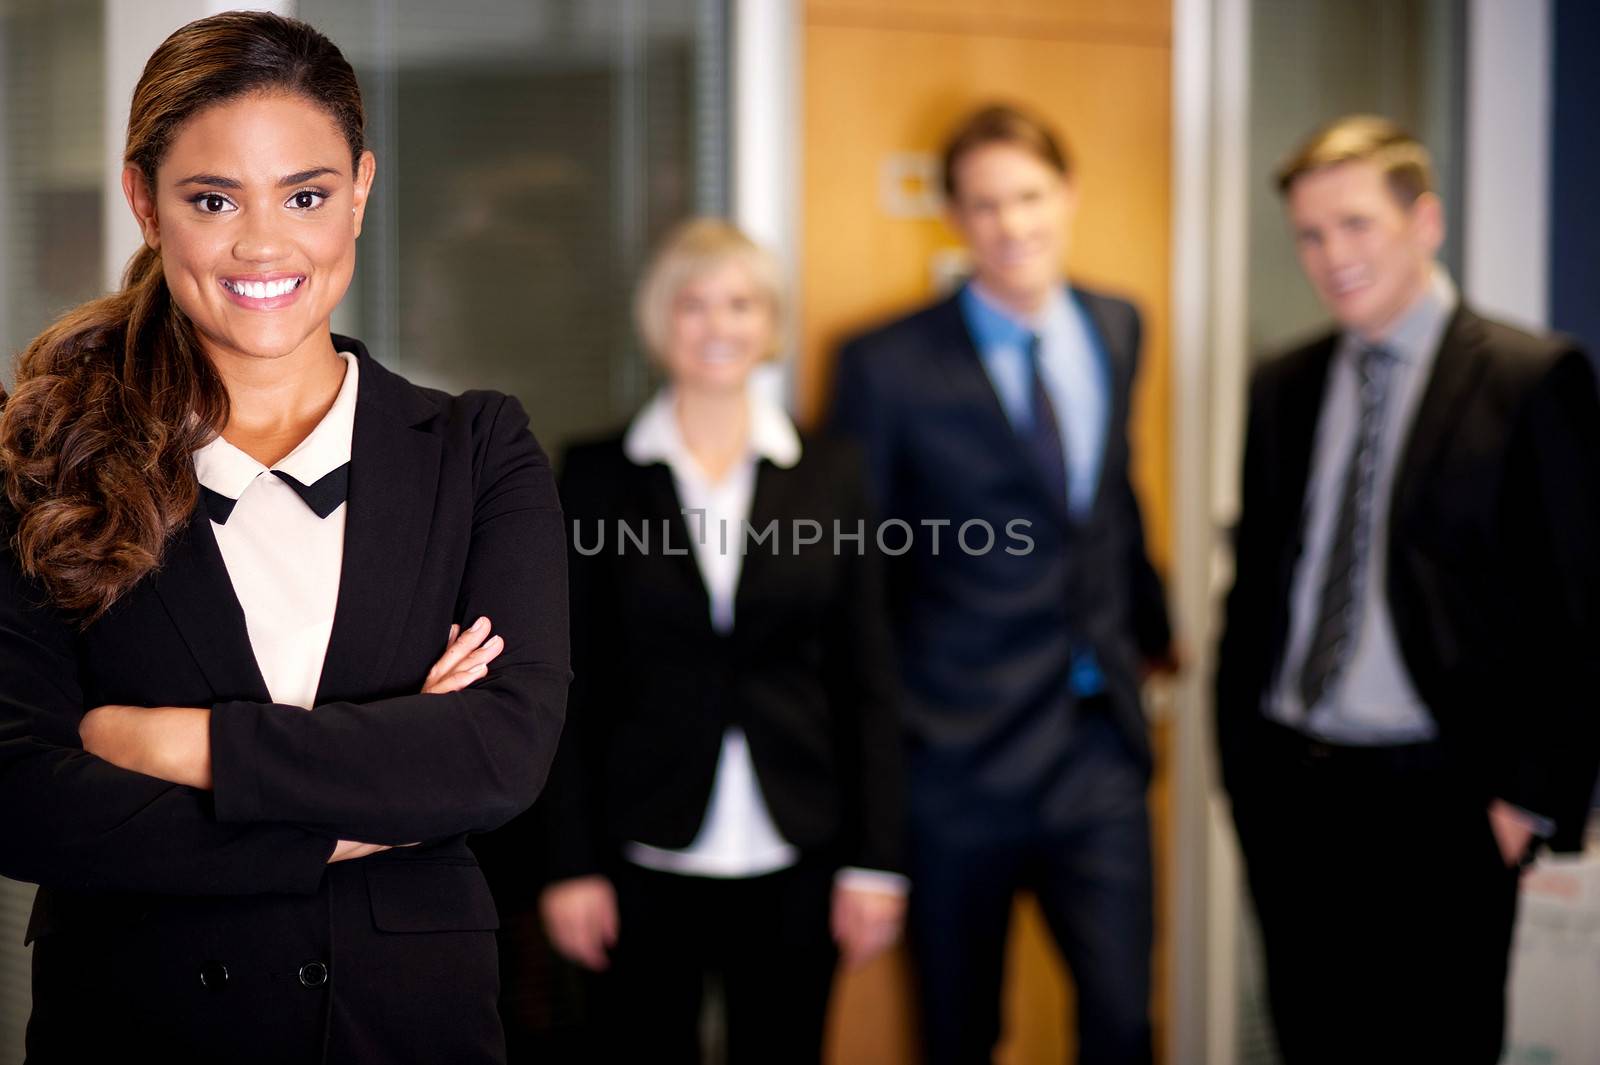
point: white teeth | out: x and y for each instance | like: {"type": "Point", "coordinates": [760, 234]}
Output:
{"type": "Point", "coordinates": [264, 290]}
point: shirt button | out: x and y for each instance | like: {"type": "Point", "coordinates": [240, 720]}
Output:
{"type": "Point", "coordinates": [213, 976]}
{"type": "Point", "coordinates": [313, 974]}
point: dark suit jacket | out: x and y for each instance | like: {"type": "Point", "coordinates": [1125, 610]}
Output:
{"type": "Point", "coordinates": [452, 514]}
{"type": "Point", "coordinates": [1493, 549]}
{"type": "Point", "coordinates": [985, 638]}
{"type": "Point", "coordinates": [806, 671]}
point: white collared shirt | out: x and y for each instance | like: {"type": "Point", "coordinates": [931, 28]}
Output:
{"type": "Point", "coordinates": [282, 559]}
{"type": "Point", "coordinates": [737, 837]}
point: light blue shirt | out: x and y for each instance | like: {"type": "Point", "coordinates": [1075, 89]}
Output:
{"type": "Point", "coordinates": [1374, 700]}
{"type": "Point", "coordinates": [1073, 366]}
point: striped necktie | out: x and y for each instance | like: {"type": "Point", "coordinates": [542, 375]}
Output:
{"type": "Point", "coordinates": [1339, 605]}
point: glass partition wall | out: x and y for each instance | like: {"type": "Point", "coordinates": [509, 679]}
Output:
{"type": "Point", "coordinates": [529, 153]}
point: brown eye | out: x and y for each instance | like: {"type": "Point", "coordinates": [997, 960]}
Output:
{"type": "Point", "coordinates": [211, 203]}
{"type": "Point", "coordinates": [305, 199]}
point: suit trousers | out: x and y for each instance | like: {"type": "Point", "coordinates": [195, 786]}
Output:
{"type": "Point", "coordinates": [765, 940]}
{"type": "Point", "coordinates": [1078, 837]}
{"type": "Point", "coordinates": [1386, 908]}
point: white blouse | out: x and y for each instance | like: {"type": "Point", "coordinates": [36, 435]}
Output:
{"type": "Point", "coordinates": [282, 559]}
{"type": "Point", "coordinates": [738, 837]}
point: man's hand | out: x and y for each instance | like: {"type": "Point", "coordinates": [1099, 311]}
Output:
{"type": "Point", "coordinates": [865, 922]}
{"type": "Point", "coordinates": [1168, 663]}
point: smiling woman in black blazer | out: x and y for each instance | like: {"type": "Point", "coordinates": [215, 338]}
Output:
{"type": "Point", "coordinates": [727, 798]}
{"type": "Point", "coordinates": [241, 740]}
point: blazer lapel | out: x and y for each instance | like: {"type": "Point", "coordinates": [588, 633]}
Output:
{"type": "Point", "coordinates": [966, 374]}
{"type": "Point", "coordinates": [1456, 369]}
{"type": "Point", "coordinates": [1298, 413]}
{"type": "Point", "coordinates": [1117, 363]}
{"type": "Point", "coordinates": [194, 588]}
{"type": "Point", "coordinates": [664, 511]}
{"type": "Point", "coordinates": [768, 503]}
{"type": "Point", "coordinates": [394, 476]}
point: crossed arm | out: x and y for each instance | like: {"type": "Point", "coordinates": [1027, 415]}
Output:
{"type": "Point", "coordinates": [288, 784]}
{"type": "Point", "coordinates": [173, 743]}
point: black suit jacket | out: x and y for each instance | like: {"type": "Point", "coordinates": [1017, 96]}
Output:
{"type": "Point", "coordinates": [452, 514]}
{"type": "Point", "coordinates": [1493, 552]}
{"type": "Point", "coordinates": [806, 671]}
{"type": "Point", "coordinates": [985, 638]}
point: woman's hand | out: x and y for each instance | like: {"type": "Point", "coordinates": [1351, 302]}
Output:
{"type": "Point", "coordinates": [347, 849]}
{"type": "Point", "coordinates": [171, 743]}
{"type": "Point", "coordinates": [580, 917]}
{"type": "Point", "coordinates": [1513, 831]}
{"type": "Point", "coordinates": [865, 922]}
{"type": "Point", "coordinates": [465, 660]}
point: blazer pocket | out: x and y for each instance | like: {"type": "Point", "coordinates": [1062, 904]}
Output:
{"type": "Point", "coordinates": [430, 897]}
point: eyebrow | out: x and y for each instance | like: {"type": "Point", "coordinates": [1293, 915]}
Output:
{"type": "Point", "coordinates": [217, 181]}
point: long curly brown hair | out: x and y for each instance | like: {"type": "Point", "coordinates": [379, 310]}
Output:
{"type": "Point", "coordinates": [112, 400]}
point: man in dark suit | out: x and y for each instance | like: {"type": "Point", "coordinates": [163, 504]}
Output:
{"type": "Point", "coordinates": [995, 428]}
{"type": "Point", "coordinates": [1407, 681]}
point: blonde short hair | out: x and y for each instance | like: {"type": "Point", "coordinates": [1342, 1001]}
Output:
{"type": "Point", "coordinates": [1403, 160]}
{"type": "Point", "coordinates": [691, 250]}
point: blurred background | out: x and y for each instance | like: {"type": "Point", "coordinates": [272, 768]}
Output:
{"type": "Point", "coordinates": [531, 151]}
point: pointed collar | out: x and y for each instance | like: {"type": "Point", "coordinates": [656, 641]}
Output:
{"type": "Point", "coordinates": [1416, 334]}
{"type": "Point", "coordinates": [654, 436]}
{"type": "Point", "coordinates": [228, 471]}
{"type": "Point", "coordinates": [994, 325]}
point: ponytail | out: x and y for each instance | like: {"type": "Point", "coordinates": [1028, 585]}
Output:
{"type": "Point", "coordinates": [97, 440]}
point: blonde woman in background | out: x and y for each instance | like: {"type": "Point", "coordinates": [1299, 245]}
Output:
{"type": "Point", "coordinates": [727, 801]}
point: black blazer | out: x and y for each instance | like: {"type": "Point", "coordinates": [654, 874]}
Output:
{"type": "Point", "coordinates": [806, 671]}
{"type": "Point", "coordinates": [177, 924]}
{"type": "Point", "coordinates": [985, 639]}
{"type": "Point", "coordinates": [1494, 559]}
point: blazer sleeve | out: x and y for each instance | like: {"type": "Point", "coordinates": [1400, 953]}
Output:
{"type": "Point", "coordinates": [74, 821]}
{"type": "Point", "coordinates": [864, 691]}
{"type": "Point", "coordinates": [574, 824]}
{"type": "Point", "coordinates": [863, 412]}
{"type": "Point", "coordinates": [1147, 593]}
{"type": "Point", "coordinates": [1237, 695]}
{"type": "Point", "coordinates": [1551, 532]}
{"type": "Point", "coordinates": [422, 767]}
